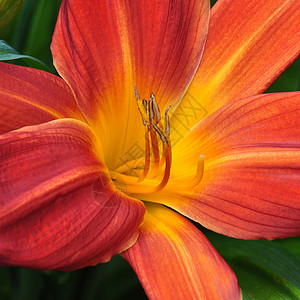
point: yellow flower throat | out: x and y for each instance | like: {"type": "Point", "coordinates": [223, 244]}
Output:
{"type": "Point", "coordinates": [152, 179]}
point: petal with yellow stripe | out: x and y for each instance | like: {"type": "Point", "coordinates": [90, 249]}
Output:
{"type": "Point", "coordinates": [251, 176]}
{"type": "Point", "coordinates": [249, 44]}
{"type": "Point", "coordinates": [174, 260]}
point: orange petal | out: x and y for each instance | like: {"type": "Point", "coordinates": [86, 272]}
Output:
{"type": "Point", "coordinates": [174, 260]}
{"type": "Point", "coordinates": [103, 49]}
{"type": "Point", "coordinates": [249, 44]}
{"type": "Point", "coordinates": [59, 209]}
{"type": "Point", "coordinates": [30, 97]}
{"type": "Point", "coordinates": [250, 188]}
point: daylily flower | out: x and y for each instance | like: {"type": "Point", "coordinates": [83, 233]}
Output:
{"type": "Point", "coordinates": [89, 169]}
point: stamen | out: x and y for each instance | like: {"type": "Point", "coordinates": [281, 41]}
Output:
{"type": "Point", "coordinates": [147, 155]}
{"type": "Point", "coordinates": [154, 142]}
{"type": "Point", "coordinates": [156, 127]}
{"type": "Point", "coordinates": [145, 103]}
{"type": "Point", "coordinates": [150, 110]}
{"type": "Point", "coordinates": [155, 149]}
{"type": "Point", "coordinates": [191, 183]}
{"type": "Point", "coordinates": [168, 158]}
{"type": "Point", "coordinates": [160, 133]}
{"type": "Point", "coordinates": [141, 108]}
{"type": "Point", "coordinates": [127, 183]}
{"type": "Point", "coordinates": [199, 173]}
{"type": "Point", "coordinates": [156, 108]}
{"type": "Point", "coordinates": [137, 96]}
{"type": "Point", "coordinates": [167, 130]}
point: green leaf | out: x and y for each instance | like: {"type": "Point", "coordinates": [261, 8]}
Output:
{"type": "Point", "coordinates": [34, 28]}
{"type": "Point", "coordinates": [245, 297]}
{"type": "Point", "coordinates": [264, 269]}
{"type": "Point", "coordinates": [288, 81]}
{"type": "Point", "coordinates": [291, 244]}
{"type": "Point", "coordinates": [8, 9]}
{"type": "Point", "coordinates": [9, 53]}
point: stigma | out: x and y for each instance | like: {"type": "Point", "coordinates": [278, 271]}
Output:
{"type": "Point", "coordinates": [157, 162]}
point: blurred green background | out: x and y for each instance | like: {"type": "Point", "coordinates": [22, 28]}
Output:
{"type": "Point", "coordinates": [266, 270]}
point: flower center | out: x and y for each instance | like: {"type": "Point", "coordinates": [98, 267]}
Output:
{"type": "Point", "coordinates": [155, 173]}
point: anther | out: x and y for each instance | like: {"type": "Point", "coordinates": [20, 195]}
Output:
{"type": "Point", "coordinates": [150, 109]}
{"type": "Point", "coordinates": [145, 104]}
{"type": "Point", "coordinates": [141, 107]}
{"type": "Point", "coordinates": [167, 130]}
{"type": "Point", "coordinates": [137, 96]}
{"type": "Point", "coordinates": [156, 108]}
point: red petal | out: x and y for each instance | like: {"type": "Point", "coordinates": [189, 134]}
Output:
{"type": "Point", "coordinates": [251, 183]}
{"type": "Point", "coordinates": [174, 260]}
{"type": "Point", "coordinates": [105, 48]}
{"type": "Point", "coordinates": [249, 44]}
{"type": "Point", "coordinates": [58, 207]}
{"type": "Point", "coordinates": [30, 97]}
